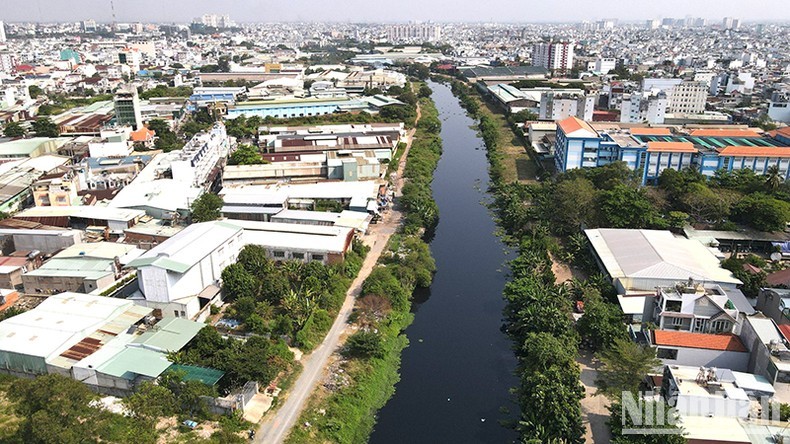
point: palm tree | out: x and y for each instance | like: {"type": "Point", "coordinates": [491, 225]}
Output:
{"type": "Point", "coordinates": [773, 178]}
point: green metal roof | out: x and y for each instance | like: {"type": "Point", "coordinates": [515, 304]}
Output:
{"type": "Point", "coordinates": [208, 376]}
{"type": "Point", "coordinates": [170, 334]}
{"type": "Point", "coordinates": [136, 361]}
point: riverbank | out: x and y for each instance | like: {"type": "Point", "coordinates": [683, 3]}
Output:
{"type": "Point", "coordinates": [538, 312]}
{"type": "Point", "coordinates": [364, 371]}
{"type": "Point", "coordinates": [457, 372]}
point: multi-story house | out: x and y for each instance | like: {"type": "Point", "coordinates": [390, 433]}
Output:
{"type": "Point", "coordinates": [697, 308]}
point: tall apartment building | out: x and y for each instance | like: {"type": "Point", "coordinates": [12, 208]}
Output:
{"type": "Point", "coordinates": [414, 32]}
{"type": "Point", "coordinates": [127, 108]}
{"type": "Point", "coordinates": [197, 162]}
{"type": "Point", "coordinates": [216, 21]}
{"type": "Point", "coordinates": [731, 23]}
{"type": "Point", "coordinates": [7, 62]}
{"type": "Point", "coordinates": [688, 98]}
{"type": "Point", "coordinates": [561, 106]}
{"type": "Point", "coordinates": [2, 32]}
{"type": "Point", "coordinates": [553, 56]}
{"type": "Point", "coordinates": [644, 107]}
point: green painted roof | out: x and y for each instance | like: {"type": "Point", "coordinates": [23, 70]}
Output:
{"type": "Point", "coordinates": [136, 361]}
{"type": "Point", "coordinates": [208, 376]}
{"type": "Point", "coordinates": [170, 334]}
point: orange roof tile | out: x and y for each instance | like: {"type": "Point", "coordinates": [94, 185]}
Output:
{"type": "Point", "coordinates": [142, 135]}
{"type": "Point", "coordinates": [755, 151]}
{"type": "Point", "coordinates": [672, 147]}
{"type": "Point", "coordinates": [726, 342]}
{"type": "Point", "coordinates": [651, 132]}
{"type": "Point", "coordinates": [10, 299]}
{"type": "Point", "coordinates": [573, 124]}
{"type": "Point", "coordinates": [724, 133]}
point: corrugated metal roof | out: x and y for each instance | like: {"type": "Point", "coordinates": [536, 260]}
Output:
{"type": "Point", "coordinates": [656, 254]}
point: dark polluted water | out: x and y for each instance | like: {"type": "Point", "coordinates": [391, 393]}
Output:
{"type": "Point", "coordinates": [458, 369]}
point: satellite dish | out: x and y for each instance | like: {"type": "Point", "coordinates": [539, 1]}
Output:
{"type": "Point", "coordinates": [776, 256]}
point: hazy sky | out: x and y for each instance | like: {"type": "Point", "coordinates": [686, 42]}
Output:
{"type": "Point", "coordinates": [389, 11]}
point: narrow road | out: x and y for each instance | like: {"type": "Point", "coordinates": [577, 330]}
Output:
{"type": "Point", "coordinates": [275, 428]}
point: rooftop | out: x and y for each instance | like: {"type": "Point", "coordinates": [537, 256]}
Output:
{"type": "Point", "coordinates": [185, 249]}
{"type": "Point", "coordinates": [575, 127]}
{"type": "Point", "coordinates": [656, 254]}
{"type": "Point", "coordinates": [671, 147]}
{"type": "Point", "coordinates": [723, 342]}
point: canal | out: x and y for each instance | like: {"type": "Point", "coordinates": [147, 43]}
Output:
{"type": "Point", "coordinates": [458, 368]}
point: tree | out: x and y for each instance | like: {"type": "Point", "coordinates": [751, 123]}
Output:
{"type": "Point", "coordinates": [34, 91]}
{"type": "Point", "coordinates": [245, 155]}
{"type": "Point", "coordinates": [550, 391]}
{"type": "Point", "coordinates": [624, 365]}
{"type": "Point", "coordinates": [151, 401]}
{"type": "Point", "coordinates": [617, 422]}
{"type": "Point", "coordinates": [523, 116]}
{"type": "Point", "coordinates": [13, 130]}
{"type": "Point", "coordinates": [626, 207]}
{"type": "Point", "coordinates": [45, 127]}
{"type": "Point", "coordinates": [418, 70]}
{"type": "Point", "coordinates": [773, 178]}
{"type": "Point", "coordinates": [424, 91]}
{"type": "Point", "coordinates": [54, 409]}
{"type": "Point", "coordinates": [573, 203]}
{"type": "Point", "coordinates": [706, 205]}
{"type": "Point", "coordinates": [762, 212]}
{"type": "Point", "coordinates": [166, 139]}
{"type": "Point", "coordinates": [238, 283]}
{"type": "Point", "coordinates": [206, 208]}
{"type": "Point", "coordinates": [364, 344]}
{"type": "Point", "coordinates": [602, 322]}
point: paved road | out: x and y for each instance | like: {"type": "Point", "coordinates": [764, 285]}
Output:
{"type": "Point", "coordinates": [275, 428]}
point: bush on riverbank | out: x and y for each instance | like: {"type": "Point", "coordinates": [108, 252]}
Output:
{"type": "Point", "coordinates": [537, 312]}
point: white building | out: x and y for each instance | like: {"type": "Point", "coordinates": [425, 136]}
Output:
{"type": "Point", "coordinates": [714, 392]}
{"type": "Point", "coordinates": [779, 107]}
{"type": "Point", "coordinates": [2, 32]}
{"type": "Point", "coordinates": [553, 56]}
{"type": "Point", "coordinates": [181, 276]}
{"type": "Point", "coordinates": [561, 106]}
{"type": "Point", "coordinates": [688, 98]}
{"type": "Point", "coordinates": [196, 164]}
{"type": "Point", "coordinates": [605, 65]}
{"type": "Point", "coordinates": [7, 62]}
{"type": "Point", "coordinates": [644, 107]}
{"type": "Point", "coordinates": [414, 32]}
{"type": "Point", "coordinates": [638, 261]}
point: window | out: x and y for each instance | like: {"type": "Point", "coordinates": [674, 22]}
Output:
{"type": "Point", "coordinates": [677, 321]}
{"type": "Point", "coordinates": [183, 314]}
{"type": "Point", "coordinates": [318, 257]}
{"type": "Point", "coordinates": [279, 254]}
{"type": "Point", "coordinates": [175, 313]}
{"type": "Point", "coordinates": [666, 353]}
{"type": "Point", "coordinates": [719, 326]}
{"type": "Point", "coordinates": [298, 255]}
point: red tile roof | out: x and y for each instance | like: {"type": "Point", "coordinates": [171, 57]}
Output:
{"type": "Point", "coordinates": [726, 342]}
{"type": "Point", "coordinates": [142, 135]}
{"type": "Point", "coordinates": [781, 277]}
{"type": "Point", "coordinates": [573, 124]}
{"type": "Point", "coordinates": [724, 133]}
{"type": "Point", "coordinates": [785, 330]}
{"type": "Point", "coordinates": [672, 147]}
{"type": "Point", "coordinates": [755, 151]}
{"type": "Point", "coordinates": [651, 132]}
